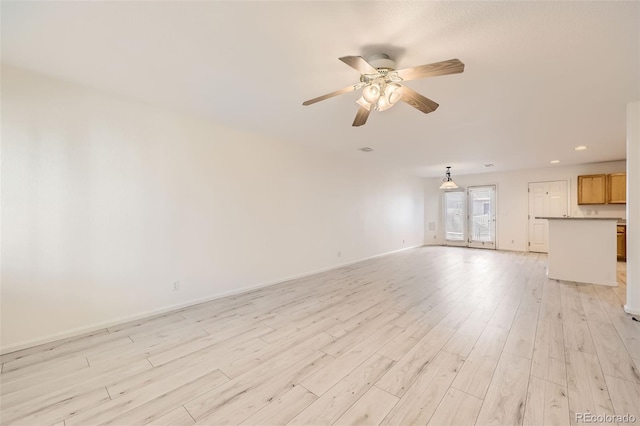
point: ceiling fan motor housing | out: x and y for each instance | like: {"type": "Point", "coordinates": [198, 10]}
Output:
{"type": "Point", "coordinates": [381, 61]}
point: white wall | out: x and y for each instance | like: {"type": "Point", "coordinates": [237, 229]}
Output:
{"type": "Point", "coordinates": [513, 200]}
{"type": "Point", "coordinates": [633, 208]}
{"type": "Point", "coordinates": [106, 202]}
{"type": "Point", "coordinates": [433, 232]}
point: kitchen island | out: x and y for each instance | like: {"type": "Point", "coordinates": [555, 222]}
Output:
{"type": "Point", "coordinates": [582, 249]}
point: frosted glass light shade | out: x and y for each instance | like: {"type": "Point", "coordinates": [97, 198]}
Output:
{"type": "Point", "coordinates": [449, 184]}
{"type": "Point", "coordinates": [383, 104]}
{"type": "Point", "coordinates": [371, 93]}
{"type": "Point", "coordinates": [393, 93]}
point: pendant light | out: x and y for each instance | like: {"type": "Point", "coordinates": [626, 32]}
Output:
{"type": "Point", "coordinates": [447, 182]}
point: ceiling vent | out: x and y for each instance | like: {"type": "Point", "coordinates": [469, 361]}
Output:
{"type": "Point", "coordinates": [366, 149]}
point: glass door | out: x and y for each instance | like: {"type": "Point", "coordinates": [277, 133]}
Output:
{"type": "Point", "coordinates": [455, 218]}
{"type": "Point", "coordinates": [482, 216]}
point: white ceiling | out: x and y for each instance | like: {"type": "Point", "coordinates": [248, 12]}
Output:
{"type": "Point", "coordinates": [540, 77]}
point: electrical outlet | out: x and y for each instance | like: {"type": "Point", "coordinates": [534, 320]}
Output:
{"type": "Point", "coordinates": [339, 254]}
{"type": "Point", "coordinates": [176, 286]}
{"type": "Point", "coordinates": [402, 241]}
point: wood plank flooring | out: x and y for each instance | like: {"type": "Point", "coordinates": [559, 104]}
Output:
{"type": "Point", "coordinates": [431, 336]}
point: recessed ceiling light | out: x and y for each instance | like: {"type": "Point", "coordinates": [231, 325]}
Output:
{"type": "Point", "coordinates": [554, 161]}
{"type": "Point", "coordinates": [581, 148]}
{"type": "Point", "coordinates": [366, 149]}
{"type": "Point", "coordinates": [488, 165]}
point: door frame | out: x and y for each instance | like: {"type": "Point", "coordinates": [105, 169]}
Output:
{"type": "Point", "coordinates": [465, 221]}
{"type": "Point", "coordinates": [494, 219]}
{"type": "Point", "coordinates": [466, 241]}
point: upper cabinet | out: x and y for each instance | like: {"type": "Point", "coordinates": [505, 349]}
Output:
{"type": "Point", "coordinates": [592, 189]}
{"type": "Point", "coordinates": [617, 188]}
{"type": "Point", "coordinates": [602, 189]}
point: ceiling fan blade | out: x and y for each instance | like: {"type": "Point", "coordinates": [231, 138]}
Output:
{"type": "Point", "coordinates": [361, 117]}
{"type": "Point", "coordinates": [452, 66]}
{"type": "Point", "coordinates": [329, 95]}
{"type": "Point", "coordinates": [418, 101]}
{"type": "Point", "coordinates": [359, 64]}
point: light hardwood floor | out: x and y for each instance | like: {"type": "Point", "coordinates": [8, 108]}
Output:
{"type": "Point", "coordinates": [434, 335]}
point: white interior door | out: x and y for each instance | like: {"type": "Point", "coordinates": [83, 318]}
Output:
{"type": "Point", "coordinates": [548, 199]}
{"type": "Point", "coordinates": [455, 218]}
{"type": "Point", "coordinates": [482, 216]}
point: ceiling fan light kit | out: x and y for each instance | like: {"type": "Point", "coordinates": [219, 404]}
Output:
{"type": "Point", "coordinates": [379, 81]}
{"type": "Point", "coordinates": [447, 182]}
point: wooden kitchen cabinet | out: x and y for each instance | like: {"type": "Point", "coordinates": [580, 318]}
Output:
{"type": "Point", "coordinates": [617, 188]}
{"type": "Point", "coordinates": [622, 242]}
{"type": "Point", "coordinates": [592, 189]}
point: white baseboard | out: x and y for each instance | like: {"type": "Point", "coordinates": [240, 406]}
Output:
{"type": "Point", "coordinates": [92, 328]}
{"type": "Point", "coordinates": [631, 310]}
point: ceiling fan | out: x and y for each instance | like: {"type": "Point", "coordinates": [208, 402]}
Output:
{"type": "Point", "coordinates": [379, 81]}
